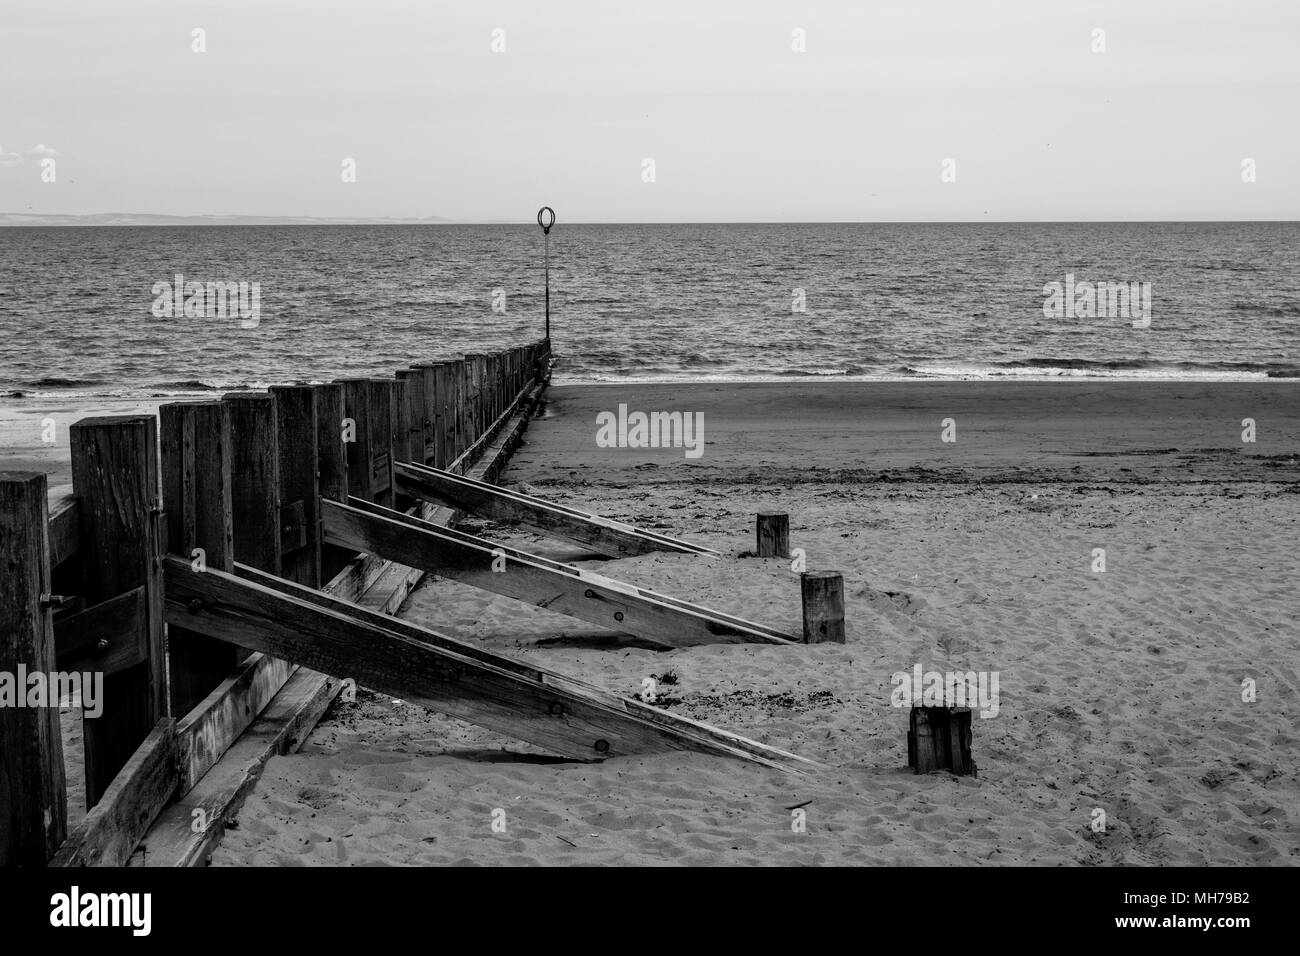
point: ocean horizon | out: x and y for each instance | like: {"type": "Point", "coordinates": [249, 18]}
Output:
{"type": "Point", "coordinates": [700, 302]}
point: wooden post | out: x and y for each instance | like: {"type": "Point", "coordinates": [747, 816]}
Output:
{"type": "Point", "coordinates": [460, 399]}
{"type": "Point", "coordinates": [381, 440]}
{"type": "Point", "coordinates": [823, 607]}
{"type": "Point", "coordinates": [33, 791]}
{"type": "Point", "coordinates": [426, 415]}
{"type": "Point", "coordinates": [356, 411]}
{"type": "Point", "coordinates": [255, 479]}
{"type": "Point", "coordinates": [939, 738]}
{"type": "Point", "coordinates": [196, 459]}
{"type": "Point", "coordinates": [115, 474]}
{"type": "Point", "coordinates": [399, 409]}
{"type": "Point", "coordinates": [297, 438]}
{"type": "Point", "coordinates": [416, 413]}
{"type": "Point", "coordinates": [399, 413]}
{"type": "Point", "coordinates": [773, 535]}
{"type": "Point", "coordinates": [448, 384]}
{"type": "Point", "coordinates": [332, 467]}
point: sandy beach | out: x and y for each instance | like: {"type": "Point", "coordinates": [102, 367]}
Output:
{"type": "Point", "coordinates": [1120, 691]}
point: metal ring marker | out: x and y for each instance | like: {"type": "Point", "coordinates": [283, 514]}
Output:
{"type": "Point", "coordinates": [546, 226]}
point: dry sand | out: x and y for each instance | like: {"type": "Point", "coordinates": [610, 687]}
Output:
{"type": "Point", "coordinates": [1118, 690]}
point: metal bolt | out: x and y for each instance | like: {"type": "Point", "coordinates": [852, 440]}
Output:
{"type": "Point", "coordinates": [101, 644]}
{"type": "Point", "coordinates": [602, 746]}
{"type": "Point", "coordinates": [618, 615]}
{"type": "Point", "coordinates": [589, 593]}
{"type": "Point", "coordinates": [557, 709]}
{"type": "Point", "coordinates": [195, 605]}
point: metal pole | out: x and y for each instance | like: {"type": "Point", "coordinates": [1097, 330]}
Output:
{"type": "Point", "coordinates": [546, 231]}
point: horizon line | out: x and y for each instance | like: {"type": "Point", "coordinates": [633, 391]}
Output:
{"type": "Point", "coordinates": [289, 220]}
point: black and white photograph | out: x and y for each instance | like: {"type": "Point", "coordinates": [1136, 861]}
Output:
{"type": "Point", "coordinates": [705, 434]}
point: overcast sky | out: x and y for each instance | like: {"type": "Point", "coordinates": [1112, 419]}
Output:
{"type": "Point", "coordinates": [740, 126]}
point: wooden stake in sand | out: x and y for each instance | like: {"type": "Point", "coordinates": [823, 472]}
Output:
{"type": "Point", "coordinates": [773, 535]}
{"type": "Point", "coordinates": [939, 738]}
{"type": "Point", "coordinates": [823, 607]}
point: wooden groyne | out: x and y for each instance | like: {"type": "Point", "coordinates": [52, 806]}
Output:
{"type": "Point", "coordinates": [225, 566]}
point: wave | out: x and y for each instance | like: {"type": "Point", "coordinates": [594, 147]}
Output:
{"type": "Point", "coordinates": [1134, 369]}
{"type": "Point", "coordinates": [56, 382]}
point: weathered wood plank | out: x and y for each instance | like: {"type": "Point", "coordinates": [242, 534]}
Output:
{"type": "Point", "coordinates": [254, 474]}
{"type": "Point", "coordinates": [604, 535]}
{"type": "Point", "coordinates": [196, 463]}
{"type": "Point", "coordinates": [115, 474]}
{"type": "Point", "coordinates": [340, 641]}
{"type": "Point", "coordinates": [209, 729]}
{"type": "Point", "coordinates": [65, 530]}
{"type": "Point", "coordinates": [109, 637]}
{"type": "Point", "coordinates": [33, 786]}
{"type": "Point", "coordinates": [187, 830]}
{"type": "Point", "coordinates": [114, 826]}
{"type": "Point", "coordinates": [557, 587]}
{"type": "Point", "coordinates": [298, 489]}
{"type": "Point", "coordinates": [380, 393]}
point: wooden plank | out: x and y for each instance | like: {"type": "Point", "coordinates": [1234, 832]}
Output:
{"type": "Point", "coordinates": [604, 535]}
{"type": "Point", "coordinates": [209, 729]}
{"type": "Point", "coordinates": [33, 786]}
{"type": "Point", "coordinates": [358, 577]}
{"type": "Point", "coordinates": [109, 833]}
{"type": "Point", "coordinates": [380, 394]}
{"type": "Point", "coordinates": [196, 463]}
{"type": "Point", "coordinates": [298, 488]}
{"type": "Point", "coordinates": [557, 587]}
{"type": "Point", "coordinates": [445, 396]}
{"type": "Point", "coordinates": [115, 474]}
{"type": "Point", "coordinates": [65, 530]}
{"type": "Point", "coordinates": [254, 473]}
{"type": "Point", "coordinates": [331, 467]}
{"type": "Point", "coordinates": [551, 711]}
{"type": "Point", "coordinates": [777, 636]}
{"type": "Point", "coordinates": [425, 443]}
{"type": "Point", "coordinates": [356, 411]}
{"type": "Point", "coordinates": [478, 448]}
{"type": "Point", "coordinates": [187, 830]}
{"type": "Point", "coordinates": [109, 637]}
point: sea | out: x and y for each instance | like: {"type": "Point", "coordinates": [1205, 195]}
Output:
{"type": "Point", "coordinates": [82, 309]}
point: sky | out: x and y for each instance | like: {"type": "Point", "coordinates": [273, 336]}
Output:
{"type": "Point", "coordinates": [579, 94]}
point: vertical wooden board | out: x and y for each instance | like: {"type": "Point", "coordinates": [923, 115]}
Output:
{"type": "Point", "coordinates": [400, 414]}
{"type": "Point", "coordinates": [415, 413]}
{"type": "Point", "coordinates": [115, 474]}
{"type": "Point", "coordinates": [331, 455]}
{"type": "Point", "coordinates": [254, 473]}
{"type": "Point", "coordinates": [380, 391]}
{"type": "Point", "coordinates": [356, 412]}
{"type": "Point", "coordinates": [427, 442]}
{"type": "Point", "coordinates": [297, 434]}
{"type": "Point", "coordinates": [332, 467]}
{"type": "Point", "coordinates": [196, 462]}
{"type": "Point", "coordinates": [444, 423]}
{"type": "Point", "coordinates": [464, 403]}
{"type": "Point", "coordinates": [33, 788]}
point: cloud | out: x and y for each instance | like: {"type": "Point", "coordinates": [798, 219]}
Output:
{"type": "Point", "coordinates": [9, 159]}
{"type": "Point", "coordinates": [40, 150]}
